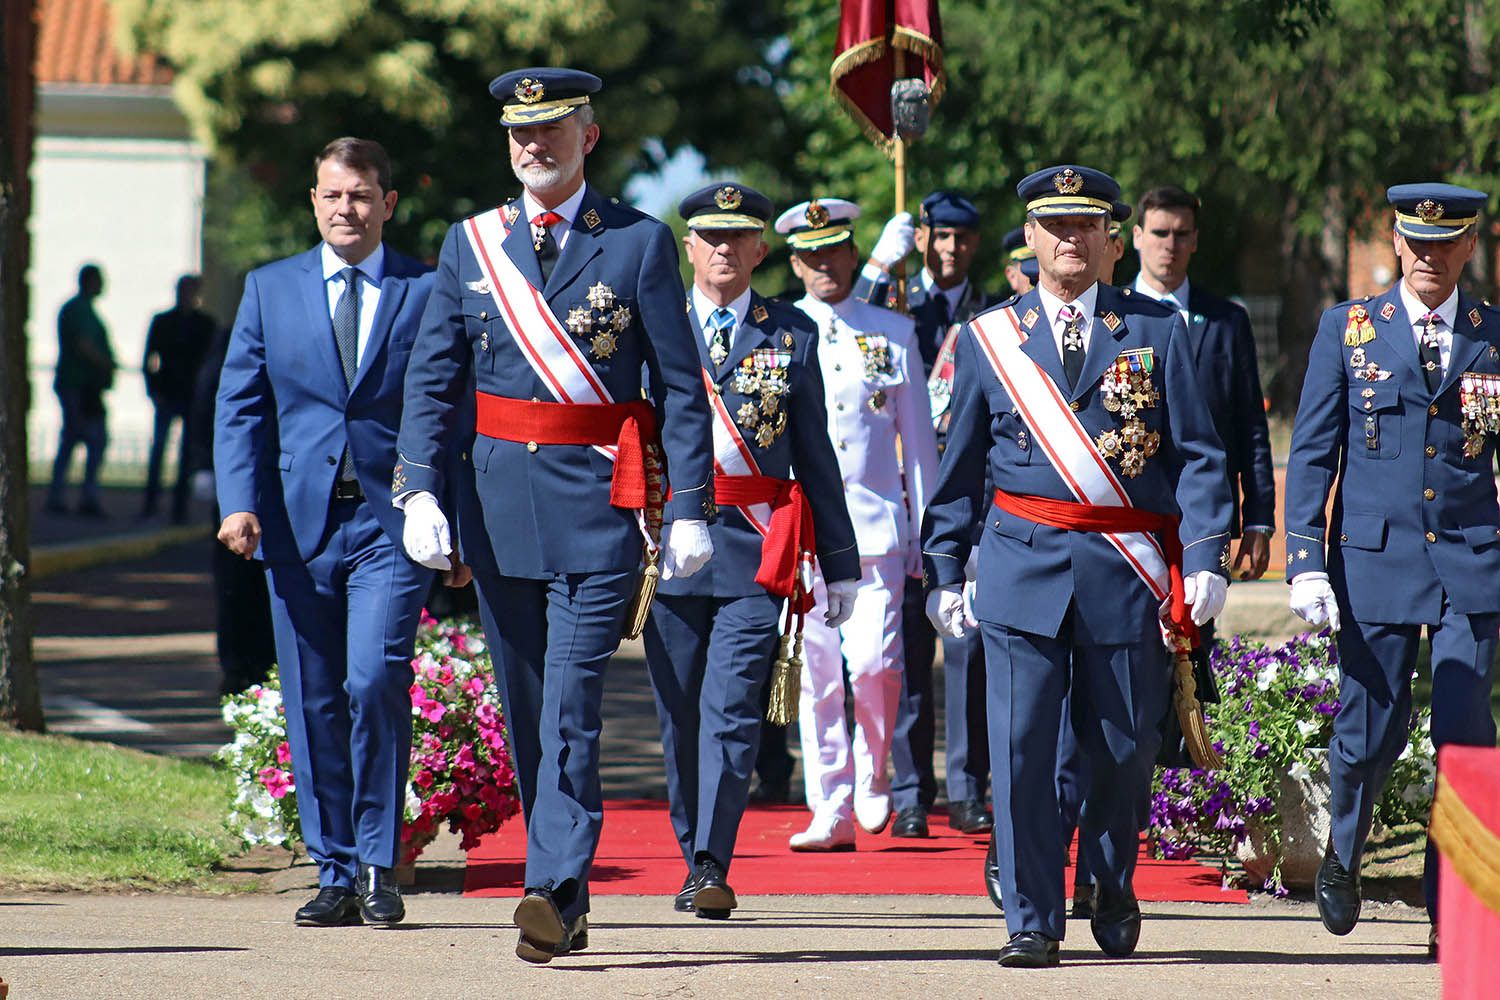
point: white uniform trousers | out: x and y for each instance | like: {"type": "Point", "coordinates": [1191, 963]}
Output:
{"type": "Point", "coordinates": [870, 641]}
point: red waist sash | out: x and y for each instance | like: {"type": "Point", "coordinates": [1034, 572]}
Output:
{"type": "Point", "coordinates": [1073, 516]}
{"type": "Point", "coordinates": [789, 536]}
{"type": "Point", "coordinates": [629, 427]}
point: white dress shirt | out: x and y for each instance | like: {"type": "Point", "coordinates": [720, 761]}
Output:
{"type": "Point", "coordinates": [568, 210]}
{"type": "Point", "coordinates": [1447, 312]}
{"type": "Point", "coordinates": [873, 442]}
{"type": "Point", "coordinates": [703, 309]}
{"type": "Point", "coordinates": [1052, 308]}
{"type": "Point", "coordinates": [1177, 296]}
{"type": "Point", "coordinates": [371, 271]}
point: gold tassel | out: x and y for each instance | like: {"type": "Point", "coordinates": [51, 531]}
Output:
{"type": "Point", "coordinates": [1200, 745]}
{"type": "Point", "coordinates": [786, 685]}
{"type": "Point", "coordinates": [645, 591]}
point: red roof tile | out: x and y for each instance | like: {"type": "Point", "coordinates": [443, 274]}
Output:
{"type": "Point", "coordinates": [75, 44]}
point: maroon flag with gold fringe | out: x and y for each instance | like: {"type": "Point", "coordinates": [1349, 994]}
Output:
{"type": "Point", "coordinates": [879, 42]}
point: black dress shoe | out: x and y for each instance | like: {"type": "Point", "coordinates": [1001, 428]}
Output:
{"type": "Point", "coordinates": [1029, 950]}
{"type": "Point", "coordinates": [684, 901]}
{"type": "Point", "coordinates": [713, 898]}
{"type": "Point", "coordinates": [577, 938]}
{"type": "Point", "coordinates": [541, 924]}
{"type": "Point", "coordinates": [970, 817]}
{"type": "Point", "coordinates": [992, 875]}
{"type": "Point", "coordinates": [910, 822]}
{"type": "Point", "coordinates": [1337, 892]}
{"type": "Point", "coordinates": [1083, 901]}
{"type": "Point", "coordinates": [379, 896]}
{"type": "Point", "coordinates": [333, 906]}
{"type": "Point", "coordinates": [1116, 922]}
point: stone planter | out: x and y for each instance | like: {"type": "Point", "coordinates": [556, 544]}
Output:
{"type": "Point", "coordinates": [1302, 806]}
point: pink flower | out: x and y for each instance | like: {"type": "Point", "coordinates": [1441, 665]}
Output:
{"type": "Point", "coordinates": [277, 781]}
{"type": "Point", "coordinates": [474, 686]}
{"type": "Point", "coordinates": [432, 711]}
{"type": "Point", "coordinates": [284, 752]}
{"type": "Point", "coordinates": [422, 779]}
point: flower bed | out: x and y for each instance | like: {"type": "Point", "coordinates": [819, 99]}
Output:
{"type": "Point", "coordinates": [1272, 728]}
{"type": "Point", "coordinates": [460, 765]}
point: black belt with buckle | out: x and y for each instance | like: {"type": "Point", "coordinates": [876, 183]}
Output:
{"type": "Point", "coordinates": [348, 489]}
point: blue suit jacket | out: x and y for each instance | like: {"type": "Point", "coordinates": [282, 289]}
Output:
{"type": "Point", "coordinates": [1228, 377]}
{"type": "Point", "coordinates": [803, 451]}
{"type": "Point", "coordinates": [547, 511]}
{"type": "Point", "coordinates": [1030, 574]}
{"type": "Point", "coordinates": [1387, 441]}
{"type": "Point", "coordinates": [284, 414]}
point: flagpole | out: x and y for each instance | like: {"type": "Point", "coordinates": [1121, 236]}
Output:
{"type": "Point", "coordinates": [898, 273]}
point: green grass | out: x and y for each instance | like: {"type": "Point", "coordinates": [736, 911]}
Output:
{"type": "Point", "coordinates": [80, 815]}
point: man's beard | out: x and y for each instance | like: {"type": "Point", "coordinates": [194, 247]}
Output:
{"type": "Point", "coordinates": [538, 176]}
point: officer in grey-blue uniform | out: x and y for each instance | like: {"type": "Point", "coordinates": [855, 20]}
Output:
{"type": "Point", "coordinates": [1400, 407]}
{"type": "Point", "coordinates": [712, 637]}
{"type": "Point", "coordinates": [1057, 605]}
{"type": "Point", "coordinates": [559, 298]}
{"type": "Point", "coordinates": [939, 297]}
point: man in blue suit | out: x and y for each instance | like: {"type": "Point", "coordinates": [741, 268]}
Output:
{"type": "Point", "coordinates": [556, 341]}
{"type": "Point", "coordinates": [1399, 408]}
{"type": "Point", "coordinates": [939, 298]}
{"type": "Point", "coordinates": [305, 429]}
{"type": "Point", "coordinates": [1109, 502]}
{"type": "Point", "coordinates": [712, 637]}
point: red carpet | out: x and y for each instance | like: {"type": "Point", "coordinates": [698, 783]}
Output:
{"type": "Point", "coordinates": [638, 856]}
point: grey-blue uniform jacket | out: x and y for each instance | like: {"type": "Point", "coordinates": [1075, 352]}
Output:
{"type": "Point", "coordinates": [1414, 518]}
{"type": "Point", "coordinates": [545, 509]}
{"type": "Point", "coordinates": [1034, 573]}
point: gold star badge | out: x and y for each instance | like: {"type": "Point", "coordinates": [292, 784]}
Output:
{"type": "Point", "coordinates": [747, 414]}
{"type": "Point", "coordinates": [1302, 554]}
{"type": "Point", "coordinates": [604, 344]}
{"type": "Point", "coordinates": [601, 296]}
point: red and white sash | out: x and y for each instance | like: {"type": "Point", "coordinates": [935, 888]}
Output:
{"type": "Point", "coordinates": [541, 336]}
{"type": "Point", "coordinates": [1064, 441]}
{"type": "Point", "coordinates": [732, 456]}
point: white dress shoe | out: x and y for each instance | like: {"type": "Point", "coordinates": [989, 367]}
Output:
{"type": "Point", "coordinates": [872, 811]}
{"type": "Point", "coordinates": [825, 833]}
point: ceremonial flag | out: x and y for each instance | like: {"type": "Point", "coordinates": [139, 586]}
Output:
{"type": "Point", "coordinates": [874, 37]}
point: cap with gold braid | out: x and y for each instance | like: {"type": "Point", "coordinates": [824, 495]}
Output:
{"type": "Point", "coordinates": [1069, 190]}
{"type": "Point", "coordinates": [1122, 212]}
{"type": "Point", "coordinates": [541, 94]}
{"type": "Point", "coordinates": [821, 222]}
{"type": "Point", "coordinates": [1014, 245]}
{"type": "Point", "coordinates": [1435, 211]}
{"type": "Point", "coordinates": [726, 206]}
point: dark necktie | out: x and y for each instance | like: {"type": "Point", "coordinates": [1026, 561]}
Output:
{"type": "Point", "coordinates": [543, 242]}
{"type": "Point", "coordinates": [1072, 344]}
{"type": "Point", "coordinates": [940, 310]}
{"type": "Point", "coordinates": [346, 335]}
{"type": "Point", "coordinates": [1427, 347]}
{"type": "Point", "coordinates": [721, 321]}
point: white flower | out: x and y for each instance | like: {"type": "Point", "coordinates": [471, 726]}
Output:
{"type": "Point", "coordinates": [1305, 729]}
{"type": "Point", "coordinates": [1266, 677]}
{"type": "Point", "coordinates": [1298, 771]}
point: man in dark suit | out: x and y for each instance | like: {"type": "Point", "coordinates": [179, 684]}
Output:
{"type": "Point", "coordinates": [305, 429]}
{"type": "Point", "coordinates": [1398, 422]}
{"type": "Point", "coordinates": [939, 298]}
{"type": "Point", "coordinates": [1077, 404]}
{"type": "Point", "coordinates": [557, 325]}
{"type": "Point", "coordinates": [176, 344]}
{"type": "Point", "coordinates": [712, 637]}
{"type": "Point", "coordinates": [1223, 347]}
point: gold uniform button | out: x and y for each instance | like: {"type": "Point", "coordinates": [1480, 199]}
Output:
{"type": "Point", "coordinates": [531, 446]}
{"type": "Point", "coordinates": [1431, 452]}
{"type": "Point", "coordinates": [1432, 410]}
{"type": "Point", "coordinates": [1431, 537]}
{"type": "Point", "coordinates": [1429, 494]}
{"type": "Point", "coordinates": [1369, 405]}
{"type": "Point", "coordinates": [483, 314]}
{"type": "Point", "coordinates": [1074, 405]}
{"type": "Point", "coordinates": [1343, 538]}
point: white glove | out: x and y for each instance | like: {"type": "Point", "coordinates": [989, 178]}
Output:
{"type": "Point", "coordinates": [896, 241]}
{"type": "Point", "coordinates": [945, 609]}
{"type": "Point", "coordinates": [840, 602]}
{"type": "Point", "coordinates": [425, 536]}
{"type": "Point", "coordinates": [686, 548]}
{"type": "Point", "coordinates": [970, 589]}
{"type": "Point", "coordinates": [1204, 593]}
{"type": "Point", "coordinates": [1313, 600]}
{"type": "Point", "coordinates": [203, 485]}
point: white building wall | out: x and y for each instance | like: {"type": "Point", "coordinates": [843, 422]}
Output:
{"type": "Point", "coordinates": [134, 206]}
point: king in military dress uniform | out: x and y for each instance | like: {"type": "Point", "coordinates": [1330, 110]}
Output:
{"type": "Point", "coordinates": [547, 315]}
